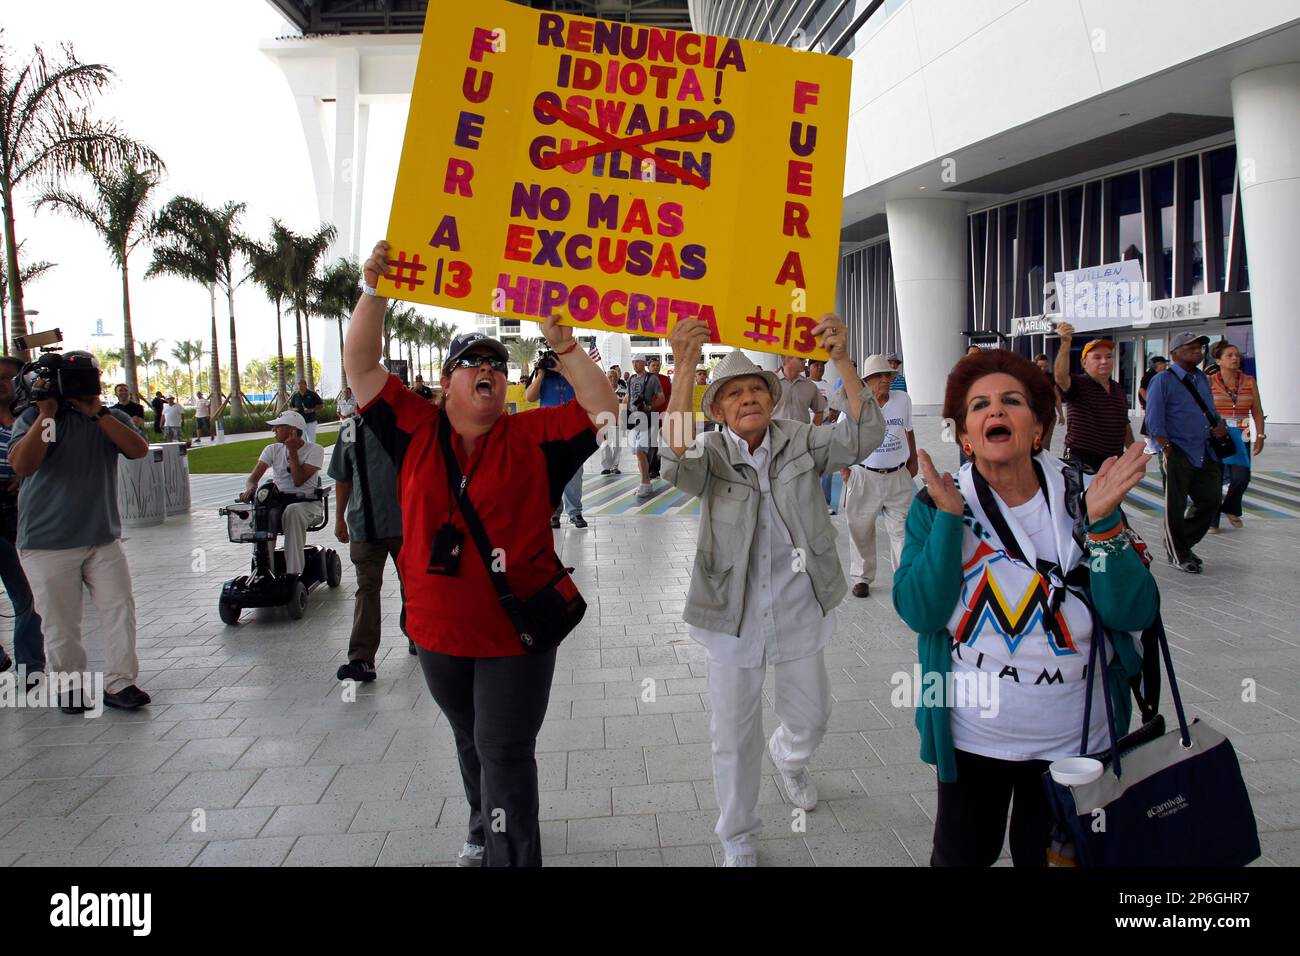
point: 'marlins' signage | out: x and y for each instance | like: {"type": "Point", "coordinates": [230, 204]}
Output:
{"type": "Point", "coordinates": [1187, 308]}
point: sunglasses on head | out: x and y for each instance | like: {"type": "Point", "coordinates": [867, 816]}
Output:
{"type": "Point", "coordinates": [474, 361]}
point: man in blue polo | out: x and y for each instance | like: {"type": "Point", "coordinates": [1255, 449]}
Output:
{"type": "Point", "coordinates": [548, 387]}
{"type": "Point", "coordinates": [1183, 428]}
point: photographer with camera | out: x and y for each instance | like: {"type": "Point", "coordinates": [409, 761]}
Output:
{"type": "Point", "coordinates": [29, 645]}
{"type": "Point", "coordinates": [295, 463]}
{"type": "Point", "coordinates": [645, 399]}
{"type": "Point", "coordinates": [487, 598]}
{"type": "Point", "coordinates": [548, 387]}
{"type": "Point", "coordinates": [65, 447]}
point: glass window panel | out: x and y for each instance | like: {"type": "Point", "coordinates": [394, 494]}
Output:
{"type": "Point", "coordinates": [1074, 221]}
{"type": "Point", "coordinates": [1126, 214]}
{"type": "Point", "coordinates": [1032, 256]}
{"type": "Point", "coordinates": [1006, 268]}
{"type": "Point", "coordinates": [1222, 163]}
{"type": "Point", "coordinates": [1092, 235]}
{"type": "Point", "coordinates": [1195, 283]}
{"type": "Point", "coordinates": [1160, 270]}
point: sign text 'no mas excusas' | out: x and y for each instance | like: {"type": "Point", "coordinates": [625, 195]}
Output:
{"type": "Point", "coordinates": [624, 177]}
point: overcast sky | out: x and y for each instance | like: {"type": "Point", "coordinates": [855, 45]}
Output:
{"type": "Point", "coordinates": [192, 84]}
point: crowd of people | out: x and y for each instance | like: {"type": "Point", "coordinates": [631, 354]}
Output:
{"type": "Point", "coordinates": [433, 479]}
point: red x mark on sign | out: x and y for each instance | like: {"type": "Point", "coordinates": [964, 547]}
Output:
{"type": "Point", "coordinates": [607, 142]}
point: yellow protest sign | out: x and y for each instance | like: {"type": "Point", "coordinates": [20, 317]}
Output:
{"type": "Point", "coordinates": [624, 177]}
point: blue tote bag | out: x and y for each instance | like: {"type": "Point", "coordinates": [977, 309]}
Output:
{"type": "Point", "coordinates": [1164, 799]}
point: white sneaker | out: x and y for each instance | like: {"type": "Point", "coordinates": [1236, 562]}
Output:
{"type": "Point", "coordinates": [798, 785]}
{"type": "Point", "coordinates": [741, 859]}
{"type": "Point", "coordinates": [471, 854]}
{"type": "Point", "coordinates": [644, 491]}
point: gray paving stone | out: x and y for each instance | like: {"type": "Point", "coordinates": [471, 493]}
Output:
{"type": "Point", "coordinates": [616, 833]}
{"type": "Point", "coordinates": [376, 781]}
{"type": "Point", "coordinates": [574, 804]}
{"type": "Point", "coordinates": [262, 852]}
{"type": "Point", "coordinates": [346, 849]}
{"type": "Point", "coordinates": [134, 794]}
{"type": "Point", "coordinates": [172, 854]}
{"type": "Point", "coordinates": [421, 845]}
{"type": "Point", "coordinates": [877, 847]}
{"type": "Point", "coordinates": [218, 753]}
{"type": "Point", "coordinates": [667, 856]}
{"type": "Point", "coordinates": [132, 829]}
{"type": "Point", "coordinates": [587, 733]}
{"type": "Point", "coordinates": [222, 825]}
{"type": "Point", "coordinates": [79, 858]}
{"type": "Point", "coordinates": [275, 751]}
{"type": "Point", "coordinates": [678, 762]}
{"type": "Point", "coordinates": [288, 785]}
{"type": "Point", "coordinates": [640, 731]}
{"type": "Point", "coordinates": [606, 768]}
{"type": "Point", "coordinates": [210, 790]}
{"type": "Point", "coordinates": [654, 798]}
{"type": "Point", "coordinates": [383, 815]}
{"type": "Point", "coordinates": [311, 819]}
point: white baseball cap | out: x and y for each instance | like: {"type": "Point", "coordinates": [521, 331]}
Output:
{"type": "Point", "coordinates": [289, 418]}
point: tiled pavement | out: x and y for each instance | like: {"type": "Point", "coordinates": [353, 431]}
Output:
{"type": "Point", "coordinates": [250, 755]}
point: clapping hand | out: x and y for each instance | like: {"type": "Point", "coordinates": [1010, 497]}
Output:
{"type": "Point", "coordinates": [1115, 479]}
{"type": "Point", "coordinates": [943, 488]}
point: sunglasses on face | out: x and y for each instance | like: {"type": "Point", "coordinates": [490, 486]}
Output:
{"type": "Point", "coordinates": [474, 361]}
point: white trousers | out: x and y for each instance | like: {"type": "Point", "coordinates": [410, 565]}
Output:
{"type": "Point", "coordinates": [803, 706]}
{"type": "Point", "coordinates": [865, 496]}
{"type": "Point", "coordinates": [294, 521]}
{"type": "Point", "coordinates": [609, 451]}
{"type": "Point", "coordinates": [309, 432]}
{"type": "Point", "coordinates": [57, 579]}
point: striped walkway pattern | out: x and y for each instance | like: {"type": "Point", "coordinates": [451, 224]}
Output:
{"type": "Point", "coordinates": [1272, 494]}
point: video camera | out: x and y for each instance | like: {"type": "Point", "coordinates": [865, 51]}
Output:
{"type": "Point", "coordinates": [55, 375]}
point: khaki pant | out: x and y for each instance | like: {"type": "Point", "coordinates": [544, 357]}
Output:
{"type": "Point", "coordinates": [57, 579]}
{"type": "Point", "coordinates": [865, 496]}
{"type": "Point", "coordinates": [294, 522]}
{"type": "Point", "coordinates": [369, 558]}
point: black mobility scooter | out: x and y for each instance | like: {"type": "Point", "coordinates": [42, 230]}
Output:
{"type": "Point", "coordinates": [267, 584]}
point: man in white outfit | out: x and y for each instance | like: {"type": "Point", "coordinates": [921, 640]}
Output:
{"type": "Point", "coordinates": [883, 481]}
{"type": "Point", "coordinates": [295, 465]}
{"type": "Point", "coordinates": [767, 575]}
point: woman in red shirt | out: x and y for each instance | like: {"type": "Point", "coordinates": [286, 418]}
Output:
{"type": "Point", "coordinates": [1237, 401]}
{"type": "Point", "coordinates": [515, 467]}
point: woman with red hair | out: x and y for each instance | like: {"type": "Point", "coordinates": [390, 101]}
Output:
{"type": "Point", "coordinates": [1002, 569]}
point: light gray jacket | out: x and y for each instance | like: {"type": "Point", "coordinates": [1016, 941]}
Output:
{"type": "Point", "coordinates": [729, 493]}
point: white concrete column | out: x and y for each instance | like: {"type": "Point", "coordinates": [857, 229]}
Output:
{"type": "Point", "coordinates": [1265, 107]}
{"type": "Point", "coordinates": [345, 197]}
{"type": "Point", "coordinates": [927, 243]}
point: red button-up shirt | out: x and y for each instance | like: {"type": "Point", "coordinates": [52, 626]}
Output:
{"type": "Point", "coordinates": [517, 474]}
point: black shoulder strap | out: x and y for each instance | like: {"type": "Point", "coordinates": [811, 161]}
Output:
{"type": "Point", "coordinates": [456, 484]}
{"type": "Point", "coordinates": [1187, 383]}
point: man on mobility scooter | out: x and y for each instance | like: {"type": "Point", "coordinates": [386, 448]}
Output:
{"type": "Point", "coordinates": [292, 505]}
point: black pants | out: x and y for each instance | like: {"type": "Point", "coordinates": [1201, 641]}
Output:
{"type": "Point", "coordinates": [495, 706]}
{"type": "Point", "coordinates": [1238, 479]}
{"type": "Point", "coordinates": [972, 814]}
{"type": "Point", "coordinates": [1089, 461]}
{"type": "Point", "coordinates": [1185, 525]}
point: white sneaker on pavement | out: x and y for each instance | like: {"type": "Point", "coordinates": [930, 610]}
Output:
{"type": "Point", "coordinates": [471, 854]}
{"type": "Point", "coordinates": [741, 859]}
{"type": "Point", "coordinates": [798, 785]}
{"type": "Point", "coordinates": [644, 491]}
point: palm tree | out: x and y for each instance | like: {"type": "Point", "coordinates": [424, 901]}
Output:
{"type": "Point", "coordinates": [303, 253]}
{"type": "Point", "coordinates": [523, 352]}
{"type": "Point", "coordinates": [188, 352]}
{"type": "Point", "coordinates": [336, 296]}
{"type": "Point", "coordinates": [203, 242]}
{"type": "Point", "coordinates": [26, 274]}
{"type": "Point", "coordinates": [440, 336]}
{"type": "Point", "coordinates": [150, 358]}
{"type": "Point", "coordinates": [118, 210]}
{"type": "Point", "coordinates": [397, 319]}
{"type": "Point", "coordinates": [46, 131]}
{"type": "Point", "coordinates": [268, 268]}
{"type": "Point", "coordinates": [110, 360]}
{"type": "Point", "coordinates": [185, 249]}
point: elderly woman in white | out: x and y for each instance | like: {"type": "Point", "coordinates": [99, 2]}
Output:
{"type": "Point", "coordinates": [767, 575]}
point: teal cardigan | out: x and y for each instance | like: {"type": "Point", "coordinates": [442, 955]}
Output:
{"type": "Point", "coordinates": [927, 586]}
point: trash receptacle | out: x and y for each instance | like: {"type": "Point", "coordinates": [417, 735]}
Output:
{"type": "Point", "coordinates": [141, 489]}
{"type": "Point", "coordinates": [176, 477]}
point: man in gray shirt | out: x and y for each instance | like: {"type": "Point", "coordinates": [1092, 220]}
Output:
{"type": "Point", "coordinates": [801, 400]}
{"type": "Point", "coordinates": [645, 400]}
{"type": "Point", "coordinates": [368, 519]}
{"type": "Point", "coordinates": [69, 530]}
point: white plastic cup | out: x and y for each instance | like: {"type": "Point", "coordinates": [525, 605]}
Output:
{"type": "Point", "coordinates": [1075, 771]}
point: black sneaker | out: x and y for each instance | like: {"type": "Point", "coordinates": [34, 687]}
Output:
{"type": "Point", "coordinates": [68, 707]}
{"type": "Point", "coordinates": [128, 698]}
{"type": "Point", "coordinates": [410, 647]}
{"type": "Point", "coordinates": [1196, 557]}
{"type": "Point", "coordinates": [861, 590]}
{"type": "Point", "coordinates": [607, 471]}
{"type": "Point", "coordinates": [615, 471]}
{"type": "Point", "coordinates": [359, 671]}
{"type": "Point", "coordinates": [555, 521]}
{"type": "Point", "coordinates": [579, 521]}
{"type": "Point", "coordinates": [1188, 565]}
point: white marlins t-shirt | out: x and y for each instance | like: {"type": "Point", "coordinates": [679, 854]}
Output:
{"type": "Point", "coordinates": [1039, 678]}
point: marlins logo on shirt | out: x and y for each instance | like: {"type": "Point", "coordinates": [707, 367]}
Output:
{"type": "Point", "coordinates": [992, 610]}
